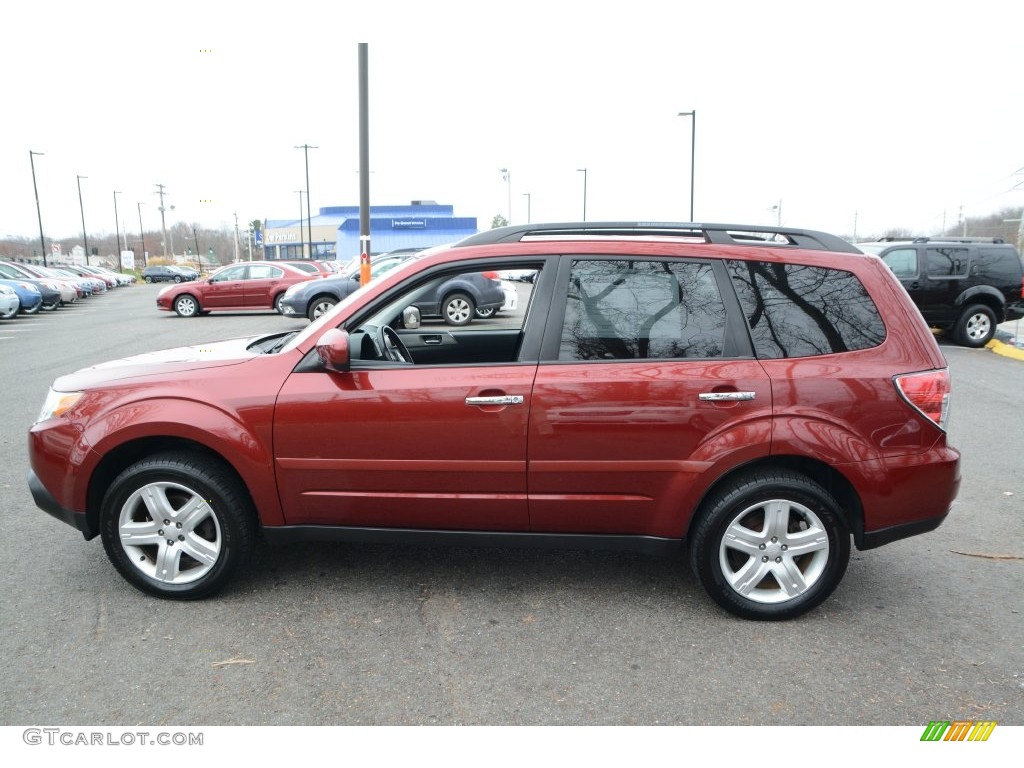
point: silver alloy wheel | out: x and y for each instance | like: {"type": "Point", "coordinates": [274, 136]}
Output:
{"type": "Point", "coordinates": [170, 533]}
{"type": "Point", "coordinates": [458, 310]}
{"type": "Point", "coordinates": [774, 551]}
{"type": "Point", "coordinates": [485, 313]}
{"type": "Point", "coordinates": [320, 306]}
{"type": "Point", "coordinates": [186, 306]}
{"type": "Point", "coordinates": [978, 327]}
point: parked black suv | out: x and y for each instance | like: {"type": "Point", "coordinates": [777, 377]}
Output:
{"type": "Point", "coordinates": [965, 286]}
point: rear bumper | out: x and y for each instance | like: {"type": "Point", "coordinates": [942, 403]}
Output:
{"type": "Point", "coordinates": [1015, 311]}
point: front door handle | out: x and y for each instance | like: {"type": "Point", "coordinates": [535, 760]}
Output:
{"type": "Point", "coordinates": [718, 396]}
{"type": "Point", "coordinates": [497, 400]}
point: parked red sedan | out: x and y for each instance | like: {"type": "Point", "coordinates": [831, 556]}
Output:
{"type": "Point", "coordinates": [250, 285]}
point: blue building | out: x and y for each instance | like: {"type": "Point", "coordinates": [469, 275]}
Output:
{"type": "Point", "coordinates": [334, 232]}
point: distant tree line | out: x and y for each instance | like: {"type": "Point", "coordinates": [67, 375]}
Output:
{"type": "Point", "coordinates": [185, 239]}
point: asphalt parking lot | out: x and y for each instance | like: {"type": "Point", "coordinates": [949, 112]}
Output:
{"type": "Point", "coordinates": [929, 628]}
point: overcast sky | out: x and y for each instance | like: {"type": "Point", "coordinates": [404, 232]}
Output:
{"type": "Point", "coordinates": [878, 115]}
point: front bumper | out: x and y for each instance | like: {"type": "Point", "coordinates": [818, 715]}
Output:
{"type": "Point", "coordinates": [46, 502]}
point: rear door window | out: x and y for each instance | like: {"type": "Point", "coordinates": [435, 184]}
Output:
{"type": "Point", "coordinates": [633, 309]}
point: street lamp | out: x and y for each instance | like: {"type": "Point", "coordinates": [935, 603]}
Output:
{"type": "Point", "coordinates": [529, 218]}
{"type": "Point", "coordinates": [142, 235]}
{"type": "Point", "coordinates": [506, 176]}
{"type": "Point", "coordinates": [777, 210]}
{"type": "Point", "coordinates": [117, 231]}
{"type": "Point", "coordinates": [302, 241]}
{"type": "Point", "coordinates": [584, 172]}
{"type": "Point", "coordinates": [309, 217]}
{"type": "Point", "coordinates": [693, 151]}
{"type": "Point", "coordinates": [81, 209]}
{"type": "Point", "coordinates": [42, 241]}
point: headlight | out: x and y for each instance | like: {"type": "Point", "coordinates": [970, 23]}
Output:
{"type": "Point", "coordinates": [57, 403]}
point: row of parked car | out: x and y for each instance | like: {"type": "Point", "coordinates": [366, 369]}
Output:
{"type": "Point", "coordinates": [310, 288]}
{"type": "Point", "coordinates": [26, 289]}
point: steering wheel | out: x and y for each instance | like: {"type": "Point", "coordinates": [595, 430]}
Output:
{"type": "Point", "coordinates": [393, 346]}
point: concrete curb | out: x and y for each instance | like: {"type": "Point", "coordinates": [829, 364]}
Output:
{"type": "Point", "coordinates": [1006, 350]}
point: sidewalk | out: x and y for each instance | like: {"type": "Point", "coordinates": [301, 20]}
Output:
{"type": "Point", "coordinates": [1009, 340]}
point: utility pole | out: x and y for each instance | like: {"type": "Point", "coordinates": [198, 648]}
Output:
{"type": "Point", "coordinates": [309, 217]}
{"type": "Point", "coordinates": [39, 215]}
{"type": "Point", "coordinates": [142, 235]}
{"type": "Point", "coordinates": [81, 209]}
{"type": "Point", "coordinates": [163, 223]}
{"type": "Point", "coordinates": [236, 237]}
{"type": "Point", "coordinates": [117, 231]}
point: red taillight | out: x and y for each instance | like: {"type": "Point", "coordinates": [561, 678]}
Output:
{"type": "Point", "coordinates": [927, 392]}
{"type": "Point", "coordinates": [491, 275]}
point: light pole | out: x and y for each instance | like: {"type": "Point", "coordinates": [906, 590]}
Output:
{"type": "Point", "coordinates": [39, 215]}
{"type": "Point", "coordinates": [777, 210]}
{"type": "Point", "coordinates": [302, 241]}
{"type": "Point", "coordinates": [506, 176]}
{"type": "Point", "coordinates": [117, 232]}
{"type": "Point", "coordinates": [195, 237]}
{"type": "Point", "coordinates": [529, 218]}
{"type": "Point", "coordinates": [142, 236]}
{"type": "Point", "coordinates": [309, 217]}
{"type": "Point", "coordinates": [584, 172]}
{"type": "Point", "coordinates": [693, 151]}
{"type": "Point", "coordinates": [81, 209]}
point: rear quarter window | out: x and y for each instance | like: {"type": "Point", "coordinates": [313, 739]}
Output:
{"type": "Point", "coordinates": [795, 310]}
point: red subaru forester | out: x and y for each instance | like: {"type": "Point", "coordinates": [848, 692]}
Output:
{"type": "Point", "coordinates": [751, 397]}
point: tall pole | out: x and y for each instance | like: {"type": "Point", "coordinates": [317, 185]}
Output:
{"type": "Point", "coordinates": [195, 237]}
{"type": "Point", "coordinates": [81, 209]}
{"type": "Point", "coordinates": [693, 151]}
{"type": "Point", "coordinates": [302, 239]}
{"type": "Point", "coordinates": [309, 216]}
{"type": "Point", "coordinates": [117, 232]}
{"type": "Point", "coordinates": [506, 176]}
{"type": "Point", "coordinates": [142, 236]}
{"type": "Point", "coordinates": [364, 164]}
{"type": "Point", "coordinates": [163, 221]}
{"type": "Point", "coordinates": [584, 172]}
{"type": "Point", "coordinates": [529, 218]}
{"type": "Point", "coordinates": [39, 215]}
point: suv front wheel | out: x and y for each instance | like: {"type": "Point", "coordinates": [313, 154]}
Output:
{"type": "Point", "coordinates": [177, 525]}
{"type": "Point", "coordinates": [976, 326]}
{"type": "Point", "coordinates": [770, 545]}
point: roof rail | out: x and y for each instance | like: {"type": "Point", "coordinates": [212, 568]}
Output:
{"type": "Point", "coordinates": [959, 240]}
{"type": "Point", "coordinates": [719, 234]}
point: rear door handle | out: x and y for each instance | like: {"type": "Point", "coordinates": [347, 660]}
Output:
{"type": "Point", "coordinates": [718, 396]}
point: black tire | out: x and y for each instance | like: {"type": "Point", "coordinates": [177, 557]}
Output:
{"type": "Point", "coordinates": [733, 534]}
{"type": "Point", "coordinates": [279, 303]}
{"type": "Point", "coordinates": [209, 528]}
{"type": "Point", "coordinates": [149, 279]}
{"type": "Point", "coordinates": [486, 313]}
{"type": "Point", "coordinates": [458, 309]}
{"type": "Point", "coordinates": [187, 305]}
{"type": "Point", "coordinates": [976, 326]}
{"type": "Point", "coordinates": [319, 305]}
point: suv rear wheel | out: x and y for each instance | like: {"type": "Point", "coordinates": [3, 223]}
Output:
{"type": "Point", "coordinates": [458, 309]}
{"type": "Point", "coordinates": [176, 525]}
{"type": "Point", "coordinates": [976, 326]}
{"type": "Point", "coordinates": [770, 545]}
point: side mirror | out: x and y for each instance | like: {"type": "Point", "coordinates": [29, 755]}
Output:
{"type": "Point", "coordinates": [411, 318]}
{"type": "Point", "coordinates": [333, 350]}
